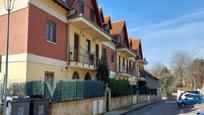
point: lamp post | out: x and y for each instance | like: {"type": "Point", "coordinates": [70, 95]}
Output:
{"type": "Point", "coordinates": [8, 4]}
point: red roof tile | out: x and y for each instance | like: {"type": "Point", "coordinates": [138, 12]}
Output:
{"type": "Point", "coordinates": [106, 19]}
{"type": "Point", "coordinates": [117, 27]}
{"type": "Point", "coordinates": [136, 44]}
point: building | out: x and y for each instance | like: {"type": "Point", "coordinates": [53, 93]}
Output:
{"type": "Point", "coordinates": [136, 46]}
{"type": "Point", "coordinates": [55, 40]}
{"type": "Point", "coordinates": [153, 83]}
{"type": "Point", "coordinates": [60, 40]}
{"type": "Point", "coordinates": [38, 41]}
{"type": "Point", "coordinates": [125, 56]}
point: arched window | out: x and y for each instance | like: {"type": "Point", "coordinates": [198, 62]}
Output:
{"type": "Point", "coordinates": [87, 76]}
{"type": "Point", "coordinates": [75, 75]}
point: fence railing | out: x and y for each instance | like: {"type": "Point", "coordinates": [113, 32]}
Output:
{"type": "Point", "coordinates": [63, 90]}
{"type": "Point", "coordinates": [81, 55]}
{"type": "Point", "coordinates": [125, 70]}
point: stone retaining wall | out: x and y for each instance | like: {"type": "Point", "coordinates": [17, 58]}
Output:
{"type": "Point", "coordinates": [79, 107]}
{"type": "Point", "coordinates": [95, 106]}
{"type": "Point", "coordinates": [119, 102]}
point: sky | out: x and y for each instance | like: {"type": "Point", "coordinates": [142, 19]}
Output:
{"type": "Point", "coordinates": [165, 26]}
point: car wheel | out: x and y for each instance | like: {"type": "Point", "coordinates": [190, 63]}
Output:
{"type": "Point", "coordinates": [182, 104]}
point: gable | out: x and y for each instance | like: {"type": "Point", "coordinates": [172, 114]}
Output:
{"type": "Point", "coordinates": [91, 7]}
{"type": "Point", "coordinates": [137, 47]}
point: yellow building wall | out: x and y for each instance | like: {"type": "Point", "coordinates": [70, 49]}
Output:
{"type": "Point", "coordinates": [27, 71]}
{"type": "Point", "coordinates": [81, 73]}
{"type": "Point", "coordinates": [120, 77]}
{"type": "Point", "coordinates": [51, 7]}
{"type": "Point", "coordinates": [83, 36]}
{"type": "Point", "coordinates": [121, 61]}
{"type": "Point", "coordinates": [16, 72]}
{"type": "Point", "coordinates": [36, 71]}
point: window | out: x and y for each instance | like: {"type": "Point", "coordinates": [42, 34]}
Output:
{"type": "Point", "coordinates": [104, 52]}
{"type": "Point", "coordinates": [123, 62]}
{"type": "Point", "coordinates": [0, 62]}
{"type": "Point", "coordinates": [87, 76]}
{"type": "Point", "coordinates": [91, 14]}
{"type": "Point", "coordinates": [119, 62]}
{"type": "Point", "coordinates": [50, 31]}
{"type": "Point", "coordinates": [130, 65]}
{"type": "Point", "coordinates": [88, 46]}
{"type": "Point", "coordinates": [49, 78]}
{"type": "Point", "coordinates": [75, 75]}
{"type": "Point", "coordinates": [112, 57]}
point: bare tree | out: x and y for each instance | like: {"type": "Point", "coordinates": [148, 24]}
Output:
{"type": "Point", "coordinates": [157, 69]}
{"type": "Point", "coordinates": [196, 70]}
{"type": "Point", "coordinates": [180, 62]}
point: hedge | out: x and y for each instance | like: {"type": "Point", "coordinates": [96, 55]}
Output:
{"type": "Point", "coordinates": [63, 91]}
{"type": "Point", "coordinates": [78, 89]}
{"type": "Point", "coordinates": [119, 87]}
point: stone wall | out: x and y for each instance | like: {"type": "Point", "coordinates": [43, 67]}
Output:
{"type": "Point", "coordinates": [146, 98]}
{"type": "Point", "coordinates": [120, 102]}
{"type": "Point", "coordinates": [79, 107]}
{"type": "Point", "coordinates": [95, 106]}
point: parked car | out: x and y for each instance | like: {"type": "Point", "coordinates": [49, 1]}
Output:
{"type": "Point", "coordinates": [201, 113]}
{"type": "Point", "coordinates": [183, 95]}
{"type": "Point", "coordinates": [190, 100]}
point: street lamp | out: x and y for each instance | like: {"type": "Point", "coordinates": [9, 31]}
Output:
{"type": "Point", "coordinates": [8, 4]}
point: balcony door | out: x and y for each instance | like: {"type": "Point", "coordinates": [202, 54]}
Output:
{"type": "Point", "coordinates": [88, 46]}
{"type": "Point", "coordinates": [76, 47]}
{"type": "Point", "coordinates": [97, 54]}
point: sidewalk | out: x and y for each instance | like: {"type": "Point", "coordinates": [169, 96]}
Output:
{"type": "Point", "coordinates": [130, 108]}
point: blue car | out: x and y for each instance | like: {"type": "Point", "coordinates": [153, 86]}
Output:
{"type": "Point", "coordinates": [190, 100]}
{"type": "Point", "coordinates": [201, 113]}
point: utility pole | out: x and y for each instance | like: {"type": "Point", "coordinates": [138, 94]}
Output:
{"type": "Point", "coordinates": [8, 4]}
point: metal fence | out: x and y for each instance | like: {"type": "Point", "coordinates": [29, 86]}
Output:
{"type": "Point", "coordinates": [78, 89]}
{"type": "Point", "coordinates": [62, 91]}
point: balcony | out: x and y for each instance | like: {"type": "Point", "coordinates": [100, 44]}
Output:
{"type": "Point", "coordinates": [83, 17]}
{"type": "Point", "coordinates": [88, 26]}
{"type": "Point", "coordinates": [141, 75]}
{"type": "Point", "coordinates": [123, 71]}
{"type": "Point", "coordinates": [125, 50]}
{"type": "Point", "coordinates": [81, 58]}
{"type": "Point", "coordinates": [142, 61]}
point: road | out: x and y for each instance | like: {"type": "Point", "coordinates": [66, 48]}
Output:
{"type": "Point", "coordinates": [166, 108]}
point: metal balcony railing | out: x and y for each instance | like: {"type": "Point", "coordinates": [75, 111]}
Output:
{"type": "Point", "coordinates": [82, 55]}
{"type": "Point", "coordinates": [141, 73]}
{"type": "Point", "coordinates": [125, 70]}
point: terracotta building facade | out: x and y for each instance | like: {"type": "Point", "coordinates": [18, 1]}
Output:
{"type": "Point", "coordinates": [60, 40]}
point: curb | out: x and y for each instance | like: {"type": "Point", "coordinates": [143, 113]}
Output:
{"type": "Point", "coordinates": [125, 110]}
{"type": "Point", "coordinates": [142, 105]}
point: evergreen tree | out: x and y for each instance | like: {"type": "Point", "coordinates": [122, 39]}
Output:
{"type": "Point", "coordinates": [102, 70]}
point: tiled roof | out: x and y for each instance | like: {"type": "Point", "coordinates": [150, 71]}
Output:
{"type": "Point", "coordinates": [65, 4]}
{"type": "Point", "coordinates": [106, 19]}
{"type": "Point", "coordinates": [117, 27]}
{"type": "Point", "coordinates": [136, 44]}
{"type": "Point", "coordinates": [151, 75]}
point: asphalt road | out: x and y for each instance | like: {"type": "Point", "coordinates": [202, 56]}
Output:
{"type": "Point", "coordinates": [167, 108]}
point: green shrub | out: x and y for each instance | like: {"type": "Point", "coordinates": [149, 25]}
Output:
{"type": "Point", "coordinates": [119, 87]}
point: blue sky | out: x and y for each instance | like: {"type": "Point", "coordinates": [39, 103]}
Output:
{"type": "Point", "coordinates": [165, 26]}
